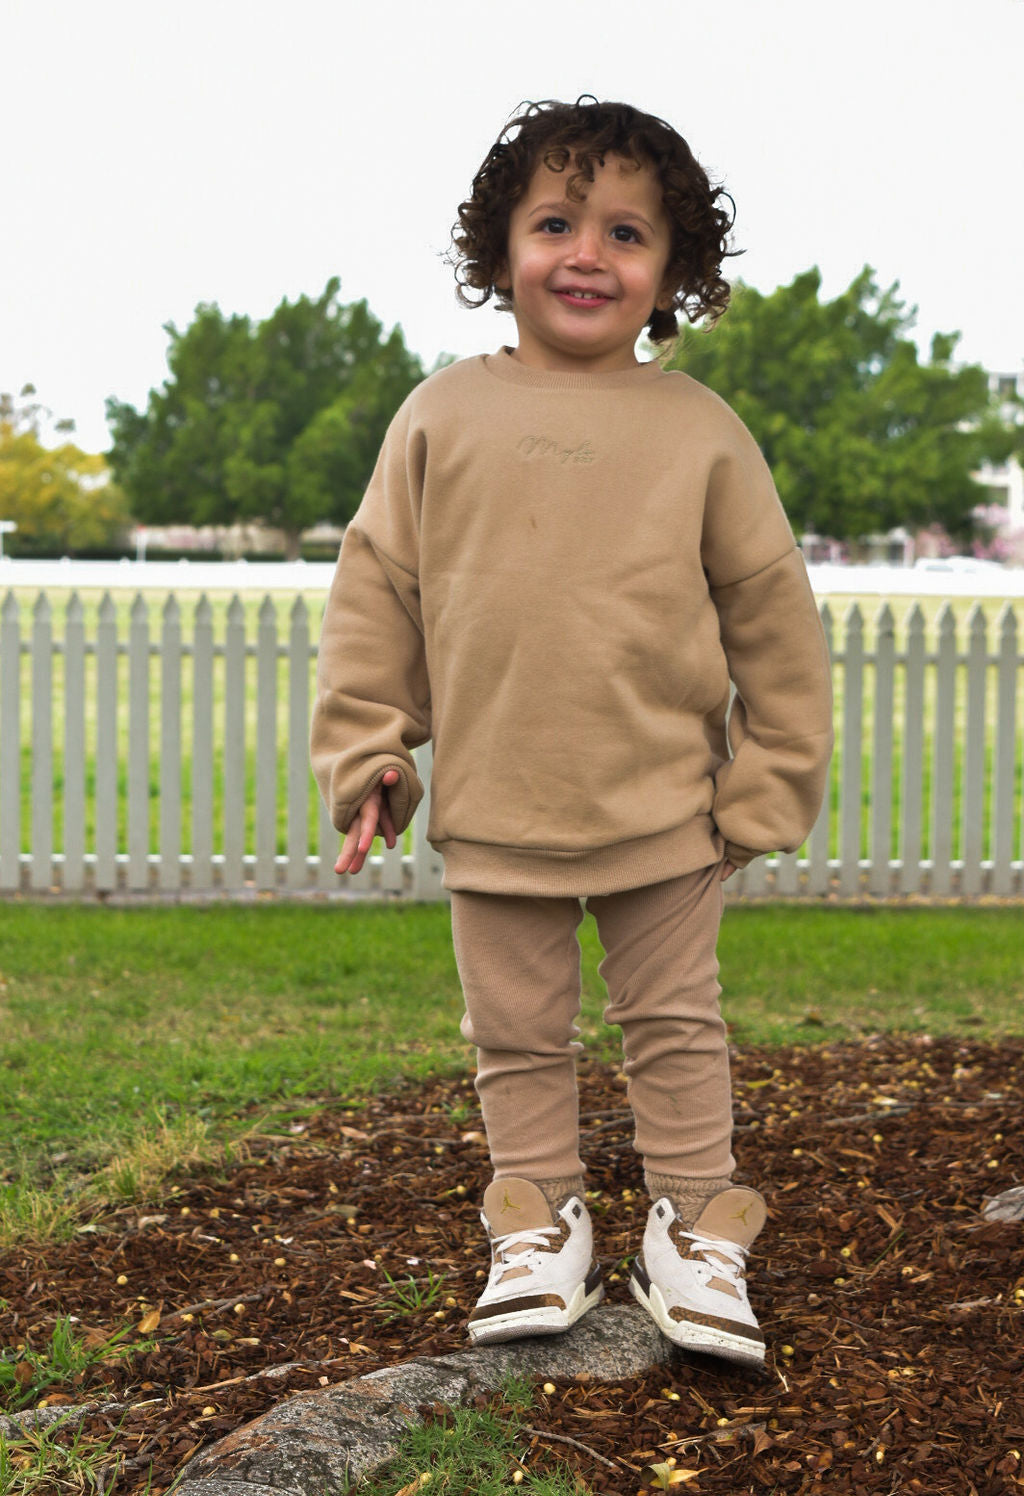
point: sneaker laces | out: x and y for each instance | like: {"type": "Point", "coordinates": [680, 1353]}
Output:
{"type": "Point", "coordinates": [536, 1241]}
{"type": "Point", "coordinates": [728, 1261]}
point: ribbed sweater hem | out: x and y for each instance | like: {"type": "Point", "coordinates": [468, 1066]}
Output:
{"type": "Point", "coordinates": [482, 867]}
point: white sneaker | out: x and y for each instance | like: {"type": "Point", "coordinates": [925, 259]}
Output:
{"type": "Point", "coordinates": [692, 1283]}
{"type": "Point", "coordinates": [544, 1275]}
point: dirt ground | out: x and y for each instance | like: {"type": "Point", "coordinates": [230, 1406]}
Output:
{"type": "Point", "coordinates": [894, 1313]}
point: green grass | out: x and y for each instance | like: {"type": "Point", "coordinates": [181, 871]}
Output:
{"type": "Point", "coordinates": [25, 1373]}
{"type": "Point", "coordinates": [38, 1463]}
{"type": "Point", "coordinates": [137, 1038]}
{"type": "Point", "coordinates": [409, 1295]}
{"type": "Point", "coordinates": [469, 1449]}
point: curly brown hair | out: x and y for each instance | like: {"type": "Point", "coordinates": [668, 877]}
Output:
{"type": "Point", "coordinates": [581, 135]}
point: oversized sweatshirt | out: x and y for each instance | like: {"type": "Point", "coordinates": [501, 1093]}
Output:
{"type": "Point", "coordinates": [555, 577]}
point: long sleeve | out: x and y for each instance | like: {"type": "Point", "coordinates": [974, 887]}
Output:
{"type": "Point", "coordinates": [769, 792]}
{"type": "Point", "coordinates": [373, 694]}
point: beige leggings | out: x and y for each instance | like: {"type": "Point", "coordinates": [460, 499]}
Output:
{"type": "Point", "coordinates": [519, 963]}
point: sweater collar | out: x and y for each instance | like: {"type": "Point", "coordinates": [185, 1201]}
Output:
{"type": "Point", "coordinates": [504, 366]}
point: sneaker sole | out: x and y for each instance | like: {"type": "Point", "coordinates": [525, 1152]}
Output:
{"type": "Point", "coordinates": [707, 1339]}
{"type": "Point", "coordinates": [543, 1321]}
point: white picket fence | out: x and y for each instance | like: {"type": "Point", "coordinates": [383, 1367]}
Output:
{"type": "Point", "coordinates": [137, 761]}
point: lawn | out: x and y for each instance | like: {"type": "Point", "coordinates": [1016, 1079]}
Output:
{"type": "Point", "coordinates": [139, 1041]}
{"type": "Point", "coordinates": [136, 1036]}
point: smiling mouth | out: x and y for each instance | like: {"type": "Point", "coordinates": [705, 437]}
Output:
{"type": "Point", "coordinates": [575, 294]}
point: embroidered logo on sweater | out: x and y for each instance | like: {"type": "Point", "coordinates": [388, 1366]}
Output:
{"type": "Point", "coordinates": [530, 447]}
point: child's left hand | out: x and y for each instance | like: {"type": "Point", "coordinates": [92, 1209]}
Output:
{"type": "Point", "coordinates": [374, 818]}
{"type": "Point", "coordinates": [727, 870]}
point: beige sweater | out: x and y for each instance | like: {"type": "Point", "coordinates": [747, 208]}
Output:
{"type": "Point", "coordinates": [554, 577]}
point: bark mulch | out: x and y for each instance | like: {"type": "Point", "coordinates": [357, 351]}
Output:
{"type": "Point", "coordinates": [893, 1310]}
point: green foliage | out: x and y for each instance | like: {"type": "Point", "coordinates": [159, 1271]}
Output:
{"type": "Point", "coordinates": [482, 1450]}
{"type": "Point", "coordinates": [43, 1461]}
{"type": "Point", "coordinates": [25, 1374]}
{"type": "Point", "coordinates": [410, 1295]}
{"type": "Point", "coordinates": [61, 498]}
{"type": "Point", "coordinates": [278, 421]}
{"type": "Point", "coordinates": [860, 435]}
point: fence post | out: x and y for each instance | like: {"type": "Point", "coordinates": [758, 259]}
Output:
{"type": "Point", "coordinates": [41, 865]}
{"type": "Point", "coordinates": [818, 846]}
{"type": "Point", "coordinates": [942, 782]}
{"type": "Point", "coordinates": [912, 792]}
{"type": "Point", "coordinates": [328, 846]}
{"type": "Point", "coordinates": [107, 805]}
{"type": "Point", "coordinates": [881, 756]}
{"type": "Point", "coordinates": [428, 865]}
{"type": "Point", "coordinates": [851, 766]}
{"type": "Point", "coordinates": [73, 879]}
{"type": "Point", "coordinates": [974, 752]}
{"type": "Point", "coordinates": [201, 877]}
{"type": "Point", "coordinates": [296, 871]}
{"type": "Point", "coordinates": [234, 747]}
{"type": "Point", "coordinates": [266, 746]}
{"type": "Point", "coordinates": [1004, 759]}
{"type": "Point", "coordinates": [10, 745]}
{"type": "Point", "coordinates": [138, 745]}
{"type": "Point", "coordinates": [170, 747]}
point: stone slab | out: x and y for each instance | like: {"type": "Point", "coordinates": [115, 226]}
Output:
{"type": "Point", "coordinates": [317, 1440]}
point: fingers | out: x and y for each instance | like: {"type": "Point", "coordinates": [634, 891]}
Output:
{"type": "Point", "coordinates": [728, 869]}
{"type": "Point", "coordinates": [374, 818]}
{"type": "Point", "coordinates": [387, 824]}
{"type": "Point", "coordinates": [359, 837]}
{"type": "Point", "coordinates": [348, 850]}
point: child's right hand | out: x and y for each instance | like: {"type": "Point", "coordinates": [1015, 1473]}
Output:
{"type": "Point", "coordinates": [374, 814]}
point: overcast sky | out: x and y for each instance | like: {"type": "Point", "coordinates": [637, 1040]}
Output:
{"type": "Point", "coordinates": [158, 156]}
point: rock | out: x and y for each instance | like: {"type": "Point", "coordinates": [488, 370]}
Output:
{"type": "Point", "coordinates": [1009, 1206]}
{"type": "Point", "coordinates": [315, 1441]}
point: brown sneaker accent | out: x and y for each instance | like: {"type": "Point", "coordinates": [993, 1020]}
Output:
{"type": "Point", "coordinates": [716, 1322]}
{"type": "Point", "coordinates": [514, 1306]}
{"type": "Point", "coordinates": [737, 1214]}
{"type": "Point", "coordinates": [520, 1205]}
{"type": "Point", "coordinates": [536, 1300]}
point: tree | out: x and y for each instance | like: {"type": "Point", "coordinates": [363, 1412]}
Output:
{"type": "Point", "coordinates": [860, 435]}
{"type": "Point", "coordinates": [277, 421]}
{"type": "Point", "coordinates": [61, 498]}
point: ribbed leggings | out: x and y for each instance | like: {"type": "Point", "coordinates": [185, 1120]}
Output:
{"type": "Point", "coordinates": [519, 963]}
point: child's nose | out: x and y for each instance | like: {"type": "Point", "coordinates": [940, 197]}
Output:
{"type": "Point", "coordinates": [586, 248]}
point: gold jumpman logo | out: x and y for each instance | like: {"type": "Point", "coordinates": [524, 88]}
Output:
{"type": "Point", "coordinates": [740, 1215]}
{"type": "Point", "coordinates": [506, 1204]}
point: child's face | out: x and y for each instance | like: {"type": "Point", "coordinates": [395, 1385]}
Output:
{"type": "Point", "coordinates": [586, 276]}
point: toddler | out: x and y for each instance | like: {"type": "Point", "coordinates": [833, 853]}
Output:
{"type": "Point", "coordinates": [564, 557]}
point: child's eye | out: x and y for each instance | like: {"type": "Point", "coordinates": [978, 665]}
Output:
{"type": "Point", "coordinates": [554, 226]}
{"type": "Point", "coordinates": [625, 233]}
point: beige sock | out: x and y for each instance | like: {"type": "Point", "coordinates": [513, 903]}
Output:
{"type": "Point", "coordinates": [688, 1196]}
{"type": "Point", "coordinates": [557, 1191]}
